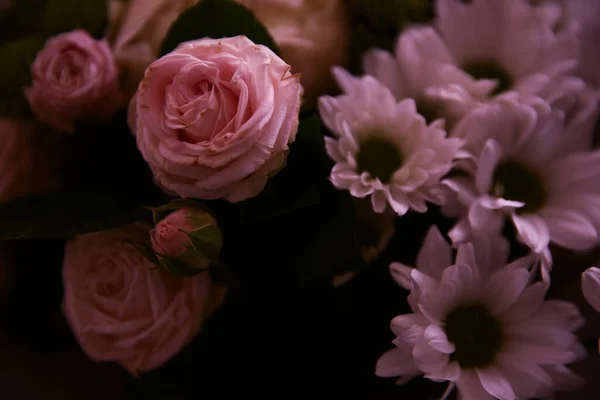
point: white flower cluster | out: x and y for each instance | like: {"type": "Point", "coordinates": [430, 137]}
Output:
{"type": "Point", "coordinates": [489, 112]}
{"type": "Point", "coordinates": [482, 113]}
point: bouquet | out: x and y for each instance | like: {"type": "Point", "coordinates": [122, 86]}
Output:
{"type": "Point", "coordinates": [304, 198]}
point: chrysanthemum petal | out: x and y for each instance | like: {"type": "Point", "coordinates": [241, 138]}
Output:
{"type": "Point", "coordinates": [396, 362]}
{"type": "Point", "coordinates": [590, 285]}
{"type": "Point", "coordinates": [437, 339]}
{"type": "Point", "coordinates": [435, 255]}
{"type": "Point", "coordinates": [495, 383]}
{"type": "Point", "coordinates": [570, 229]}
{"type": "Point", "coordinates": [401, 274]}
{"type": "Point", "coordinates": [533, 231]}
{"type": "Point", "coordinates": [470, 388]}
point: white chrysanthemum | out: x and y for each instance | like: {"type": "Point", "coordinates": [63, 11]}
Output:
{"type": "Point", "coordinates": [587, 13]}
{"type": "Point", "coordinates": [384, 148]}
{"type": "Point", "coordinates": [481, 326]}
{"type": "Point", "coordinates": [539, 173]}
{"type": "Point", "coordinates": [482, 51]}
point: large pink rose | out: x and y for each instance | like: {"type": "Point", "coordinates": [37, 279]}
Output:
{"type": "Point", "coordinates": [123, 308]}
{"type": "Point", "coordinates": [27, 160]}
{"type": "Point", "coordinates": [214, 118]}
{"type": "Point", "coordinates": [74, 77]}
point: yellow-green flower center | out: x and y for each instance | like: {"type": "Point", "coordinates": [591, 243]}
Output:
{"type": "Point", "coordinates": [477, 336]}
{"type": "Point", "coordinates": [490, 70]}
{"type": "Point", "coordinates": [380, 158]}
{"type": "Point", "coordinates": [514, 181]}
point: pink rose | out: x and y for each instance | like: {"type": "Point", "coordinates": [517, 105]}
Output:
{"type": "Point", "coordinates": [26, 160]}
{"type": "Point", "coordinates": [121, 307]}
{"type": "Point", "coordinates": [169, 237]}
{"type": "Point", "coordinates": [214, 118]}
{"type": "Point", "coordinates": [74, 77]}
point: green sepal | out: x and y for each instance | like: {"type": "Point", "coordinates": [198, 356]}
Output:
{"type": "Point", "coordinates": [16, 58]}
{"type": "Point", "coordinates": [207, 240]}
{"type": "Point", "coordinates": [216, 19]}
{"type": "Point", "coordinates": [159, 213]}
{"type": "Point", "coordinates": [60, 16]}
{"type": "Point", "coordinates": [171, 264]}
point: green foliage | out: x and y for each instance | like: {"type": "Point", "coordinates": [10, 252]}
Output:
{"type": "Point", "coordinates": [61, 16]}
{"type": "Point", "coordinates": [216, 19]}
{"type": "Point", "coordinates": [21, 19]}
{"type": "Point", "coordinates": [16, 56]}
{"type": "Point", "coordinates": [107, 184]}
{"type": "Point", "coordinates": [67, 214]}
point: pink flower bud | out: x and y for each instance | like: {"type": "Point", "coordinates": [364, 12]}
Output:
{"type": "Point", "coordinates": [170, 236]}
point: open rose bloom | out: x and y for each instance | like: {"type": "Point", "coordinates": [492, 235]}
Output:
{"type": "Point", "coordinates": [123, 308]}
{"type": "Point", "coordinates": [214, 118]}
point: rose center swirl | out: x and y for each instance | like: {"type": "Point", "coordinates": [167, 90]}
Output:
{"type": "Point", "coordinates": [514, 181]}
{"type": "Point", "coordinates": [476, 335]}
{"type": "Point", "coordinates": [380, 158]}
{"type": "Point", "coordinates": [490, 70]}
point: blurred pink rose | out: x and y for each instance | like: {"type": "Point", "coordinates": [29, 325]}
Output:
{"type": "Point", "coordinates": [27, 160]}
{"type": "Point", "coordinates": [74, 77]}
{"type": "Point", "coordinates": [121, 307]}
{"type": "Point", "coordinates": [169, 237]}
{"type": "Point", "coordinates": [137, 29]}
{"type": "Point", "coordinates": [214, 118]}
{"type": "Point", "coordinates": [313, 36]}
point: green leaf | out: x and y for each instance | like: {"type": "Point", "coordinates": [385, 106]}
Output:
{"type": "Point", "coordinates": [61, 16]}
{"type": "Point", "coordinates": [159, 213]}
{"type": "Point", "coordinates": [207, 241]}
{"type": "Point", "coordinates": [64, 215]}
{"type": "Point", "coordinates": [362, 40]}
{"type": "Point", "coordinates": [297, 186]}
{"type": "Point", "coordinates": [16, 58]}
{"type": "Point", "coordinates": [216, 19]}
{"type": "Point", "coordinates": [21, 19]}
{"type": "Point", "coordinates": [390, 16]}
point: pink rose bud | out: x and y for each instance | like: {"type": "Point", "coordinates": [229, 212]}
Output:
{"type": "Point", "coordinates": [74, 77]}
{"type": "Point", "coordinates": [170, 236]}
{"type": "Point", "coordinates": [186, 240]}
{"type": "Point", "coordinates": [122, 308]}
{"type": "Point", "coordinates": [214, 118]}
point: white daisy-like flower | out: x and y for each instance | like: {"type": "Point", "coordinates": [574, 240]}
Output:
{"type": "Point", "coordinates": [383, 148]}
{"type": "Point", "coordinates": [481, 326]}
{"type": "Point", "coordinates": [586, 13]}
{"type": "Point", "coordinates": [537, 172]}
{"type": "Point", "coordinates": [580, 112]}
{"type": "Point", "coordinates": [482, 51]}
